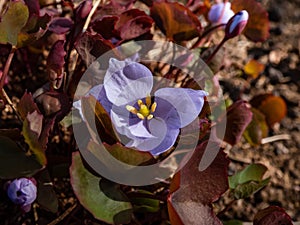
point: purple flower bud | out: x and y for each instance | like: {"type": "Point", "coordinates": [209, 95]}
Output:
{"type": "Point", "coordinates": [22, 192]}
{"type": "Point", "coordinates": [236, 24]}
{"type": "Point", "coordinates": [220, 13]}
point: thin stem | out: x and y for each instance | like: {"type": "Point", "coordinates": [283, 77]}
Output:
{"type": "Point", "coordinates": [7, 65]}
{"type": "Point", "coordinates": [4, 94]}
{"type": "Point", "coordinates": [207, 61]}
{"type": "Point", "coordinates": [88, 20]}
{"type": "Point", "coordinates": [197, 43]}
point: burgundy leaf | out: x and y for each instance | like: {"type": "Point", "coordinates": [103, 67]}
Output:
{"type": "Point", "coordinates": [133, 23]}
{"type": "Point", "coordinates": [33, 7]}
{"type": "Point", "coordinates": [176, 21]}
{"type": "Point", "coordinates": [90, 47]}
{"type": "Point", "coordinates": [105, 26]}
{"type": "Point", "coordinates": [54, 103]}
{"type": "Point", "coordinates": [26, 105]}
{"type": "Point", "coordinates": [192, 188]}
{"type": "Point", "coordinates": [238, 117]}
{"type": "Point", "coordinates": [126, 4]}
{"type": "Point", "coordinates": [273, 215]}
{"type": "Point", "coordinates": [55, 60]}
{"type": "Point", "coordinates": [60, 25]}
{"type": "Point", "coordinates": [83, 10]}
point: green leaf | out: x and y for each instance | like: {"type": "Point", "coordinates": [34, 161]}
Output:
{"type": "Point", "coordinates": [142, 203]}
{"type": "Point", "coordinates": [46, 196]}
{"type": "Point", "coordinates": [233, 222]}
{"type": "Point", "coordinates": [14, 162]}
{"type": "Point", "coordinates": [102, 198]}
{"type": "Point", "coordinates": [32, 128]}
{"type": "Point", "coordinates": [253, 172]}
{"type": "Point", "coordinates": [247, 189]}
{"type": "Point", "coordinates": [12, 22]}
{"type": "Point", "coordinates": [128, 155]}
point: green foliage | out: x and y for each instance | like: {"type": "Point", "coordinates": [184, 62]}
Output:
{"type": "Point", "coordinates": [104, 200]}
{"type": "Point", "coordinates": [12, 22]}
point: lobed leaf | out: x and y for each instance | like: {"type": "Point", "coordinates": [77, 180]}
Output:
{"type": "Point", "coordinates": [194, 191]}
{"type": "Point", "coordinates": [12, 22]}
{"type": "Point", "coordinates": [176, 21]}
{"type": "Point", "coordinates": [253, 172]}
{"type": "Point", "coordinates": [102, 198]}
{"type": "Point", "coordinates": [90, 47]}
{"type": "Point", "coordinates": [257, 28]}
{"type": "Point", "coordinates": [133, 23]}
{"type": "Point", "coordinates": [14, 163]}
{"type": "Point", "coordinates": [272, 215]}
{"type": "Point", "coordinates": [247, 189]}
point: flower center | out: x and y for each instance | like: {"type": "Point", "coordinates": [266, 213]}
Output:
{"type": "Point", "coordinates": [145, 109]}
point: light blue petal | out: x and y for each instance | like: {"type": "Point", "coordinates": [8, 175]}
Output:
{"type": "Point", "coordinates": [164, 137]}
{"type": "Point", "coordinates": [127, 81]}
{"type": "Point", "coordinates": [121, 123]}
{"type": "Point", "coordinates": [187, 102]}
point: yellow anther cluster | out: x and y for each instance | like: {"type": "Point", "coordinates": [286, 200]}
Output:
{"type": "Point", "coordinates": [145, 109]}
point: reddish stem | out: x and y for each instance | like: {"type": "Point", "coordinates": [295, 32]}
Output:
{"type": "Point", "coordinates": [6, 67]}
{"type": "Point", "coordinates": [207, 61]}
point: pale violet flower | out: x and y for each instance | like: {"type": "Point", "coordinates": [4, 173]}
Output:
{"type": "Point", "coordinates": [220, 13]}
{"type": "Point", "coordinates": [22, 192]}
{"type": "Point", "coordinates": [149, 121]}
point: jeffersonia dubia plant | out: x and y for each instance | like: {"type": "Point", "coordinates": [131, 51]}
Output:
{"type": "Point", "coordinates": [22, 192]}
{"type": "Point", "coordinates": [151, 123]}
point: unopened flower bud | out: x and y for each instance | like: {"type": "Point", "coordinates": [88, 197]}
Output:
{"type": "Point", "coordinates": [236, 24]}
{"type": "Point", "coordinates": [22, 192]}
{"type": "Point", "coordinates": [220, 13]}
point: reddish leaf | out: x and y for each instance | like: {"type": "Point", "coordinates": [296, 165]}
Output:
{"type": "Point", "coordinates": [54, 103]}
{"type": "Point", "coordinates": [253, 68]}
{"type": "Point", "coordinates": [133, 23]}
{"type": "Point", "coordinates": [33, 6]}
{"type": "Point", "coordinates": [55, 60]}
{"type": "Point", "coordinates": [273, 107]}
{"type": "Point", "coordinates": [257, 28]}
{"type": "Point", "coordinates": [238, 117]}
{"type": "Point", "coordinates": [273, 215]}
{"type": "Point", "coordinates": [126, 4]}
{"type": "Point", "coordinates": [194, 191]}
{"type": "Point", "coordinates": [90, 47]}
{"type": "Point", "coordinates": [176, 21]}
{"type": "Point", "coordinates": [26, 105]}
{"type": "Point", "coordinates": [60, 25]}
{"type": "Point", "coordinates": [105, 26]}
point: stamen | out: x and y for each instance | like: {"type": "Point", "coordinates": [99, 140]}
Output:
{"type": "Point", "coordinates": [139, 115]}
{"type": "Point", "coordinates": [148, 100]}
{"type": "Point", "coordinates": [149, 117]}
{"type": "Point", "coordinates": [140, 102]}
{"type": "Point", "coordinates": [153, 107]}
{"type": "Point", "coordinates": [131, 109]}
